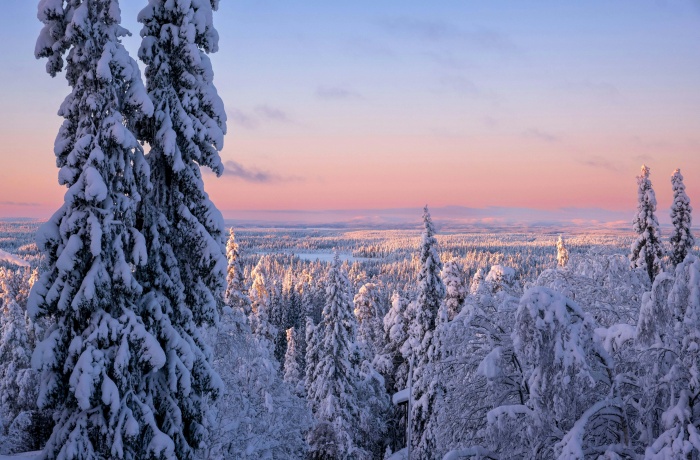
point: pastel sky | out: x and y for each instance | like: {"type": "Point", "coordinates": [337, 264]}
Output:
{"type": "Point", "coordinates": [388, 104]}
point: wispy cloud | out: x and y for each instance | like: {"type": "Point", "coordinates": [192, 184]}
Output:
{"type": "Point", "coordinates": [427, 30]}
{"type": "Point", "coordinates": [272, 114]}
{"type": "Point", "coordinates": [642, 158]}
{"type": "Point", "coordinates": [448, 60]}
{"type": "Point", "coordinates": [365, 47]}
{"type": "Point", "coordinates": [535, 133]}
{"type": "Point", "coordinates": [336, 92]}
{"type": "Point", "coordinates": [18, 203]}
{"type": "Point", "coordinates": [599, 89]}
{"type": "Point", "coordinates": [466, 87]}
{"type": "Point", "coordinates": [242, 119]}
{"type": "Point", "coordinates": [261, 114]}
{"type": "Point", "coordinates": [599, 162]}
{"type": "Point", "coordinates": [252, 174]}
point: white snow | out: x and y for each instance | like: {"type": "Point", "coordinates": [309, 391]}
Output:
{"type": "Point", "coordinates": [26, 456]}
{"type": "Point", "coordinates": [399, 455]}
{"type": "Point", "coordinates": [400, 396]}
{"type": "Point", "coordinates": [7, 257]}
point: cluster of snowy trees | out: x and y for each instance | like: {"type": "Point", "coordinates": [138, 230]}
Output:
{"type": "Point", "coordinates": [647, 250]}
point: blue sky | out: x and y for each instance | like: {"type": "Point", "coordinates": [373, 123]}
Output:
{"type": "Point", "coordinates": [384, 104]}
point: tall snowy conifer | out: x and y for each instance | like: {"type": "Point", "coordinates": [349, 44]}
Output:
{"type": "Point", "coordinates": [646, 250]}
{"type": "Point", "coordinates": [97, 359]}
{"type": "Point", "coordinates": [186, 272]}
{"type": "Point", "coordinates": [333, 391]}
{"type": "Point", "coordinates": [682, 240]}
{"type": "Point", "coordinates": [421, 330]}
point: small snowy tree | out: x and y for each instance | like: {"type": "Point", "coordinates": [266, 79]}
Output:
{"type": "Point", "coordinates": [312, 360]}
{"type": "Point", "coordinates": [423, 314]}
{"type": "Point", "coordinates": [562, 253]}
{"type": "Point", "coordinates": [682, 240]}
{"type": "Point", "coordinates": [292, 373]}
{"type": "Point", "coordinates": [24, 427]}
{"type": "Point", "coordinates": [260, 310]}
{"type": "Point", "coordinates": [369, 318]}
{"type": "Point", "coordinates": [235, 296]}
{"type": "Point", "coordinates": [15, 356]}
{"type": "Point", "coordinates": [646, 250]}
{"type": "Point", "coordinates": [390, 362]}
{"type": "Point", "coordinates": [258, 416]}
{"type": "Point", "coordinates": [455, 281]}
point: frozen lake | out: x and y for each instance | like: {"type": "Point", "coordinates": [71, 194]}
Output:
{"type": "Point", "coordinates": [322, 256]}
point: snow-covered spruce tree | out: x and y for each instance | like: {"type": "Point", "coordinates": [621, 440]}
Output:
{"type": "Point", "coordinates": [185, 277]}
{"type": "Point", "coordinates": [670, 364]}
{"type": "Point", "coordinates": [682, 240]}
{"type": "Point", "coordinates": [292, 373]}
{"type": "Point", "coordinates": [423, 314]}
{"type": "Point", "coordinates": [333, 390]}
{"type": "Point", "coordinates": [260, 310]}
{"type": "Point", "coordinates": [562, 253]}
{"type": "Point", "coordinates": [390, 362]}
{"type": "Point", "coordinates": [15, 356]}
{"type": "Point", "coordinates": [570, 408]}
{"type": "Point", "coordinates": [236, 293]}
{"type": "Point", "coordinates": [646, 250]}
{"type": "Point", "coordinates": [258, 416]}
{"type": "Point", "coordinates": [369, 318]}
{"type": "Point", "coordinates": [480, 370]}
{"type": "Point", "coordinates": [312, 359]}
{"type": "Point", "coordinates": [24, 426]}
{"type": "Point", "coordinates": [455, 281]}
{"type": "Point", "coordinates": [98, 360]}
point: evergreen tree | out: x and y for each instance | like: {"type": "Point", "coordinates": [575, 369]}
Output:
{"type": "Point", "coordinates": [312, 358]}
{"type": "Point", "coordinates": [236, 293]}
{"type": "Point", "coordinates": [646, 250]}
{"type": "Point", "coordinates": [390, 362]}
{"type": "Point", "coordinates": [258, 417]}
{"type": "Point", "coordinates": [682, 240]}
{"type": "Point", "coordinates": [23, 425]}
{"type": "Point", "coordinates": [97, 358]}
{"type": "Point", "coordinates": [260, 311]}
{"type": "Point", "coordinates": [185, 277]}
{"type": "Point", "coordinates": [562, 253]}
{"type": "Point", "coordinates": [292, 372]}
{"type": "Point", "coordinates": [333, 390]}
{"type": "Point", "coordinates": [423, 313]}
{"type": "Point", "coordinates": [455, 283]}
{"type": "Point", "coordinates": [15, 356]}
{"type": "Point", "coordinates": [670, 364]}
{"type": "Point", "coordinates": [369, 318]}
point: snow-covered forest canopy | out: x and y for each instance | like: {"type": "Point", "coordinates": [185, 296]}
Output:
{"type": "Point", "coordinates": [542, 345]}
{"type": "Point", "coordinates": [137, 324]}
